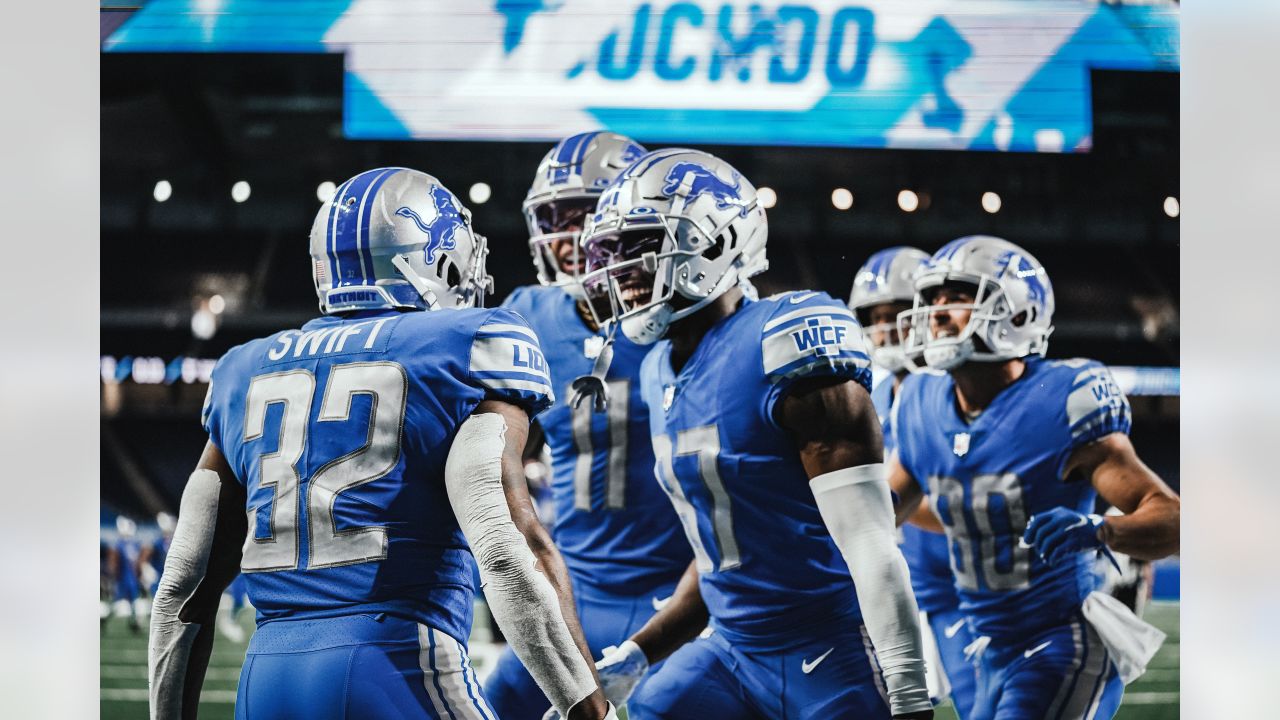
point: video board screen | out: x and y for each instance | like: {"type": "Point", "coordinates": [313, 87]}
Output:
{"type": "Point", "coordinates": [951, 74]}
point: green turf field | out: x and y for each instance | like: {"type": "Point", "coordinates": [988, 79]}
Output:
{"type": "Point", "coordinates": [124, 674]}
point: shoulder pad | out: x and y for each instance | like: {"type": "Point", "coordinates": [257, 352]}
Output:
{"type": "Point", "coordinates": [811, 333]}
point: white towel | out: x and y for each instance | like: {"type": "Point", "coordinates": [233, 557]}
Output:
{"type": "Point", "coordinates": [1131, 640]}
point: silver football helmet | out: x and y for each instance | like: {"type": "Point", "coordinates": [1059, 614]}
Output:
{"type": "Point", "coordinates": [887, 277]}
{"type": "Point", "coordinates": [1012, 311]}
{"type": "Point", "coordinates": [683, 216]}
{"type": "Point", "coordinates": [397, 238]}
{"type": "Point", "coordinates": [564, 191]}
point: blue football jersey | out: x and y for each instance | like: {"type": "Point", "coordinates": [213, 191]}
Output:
{"type": "Point", "coordinates": [925, 552]}
{"type": "Point", "coordinates": [614, 525]}
{"type": "Point", "coordinates": [339, 432]}
{"type": "Point", "coordinates": [986, 478]}
{"type": "Point", "coordinates": [771, 575]}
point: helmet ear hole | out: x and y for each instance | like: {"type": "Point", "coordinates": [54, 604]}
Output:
{"type": "Point", "coordinates": [1021, 318]}
{"type": "Point", "coordinates": [721, 242]}
{"type": "Point", "coordinates": [452, 277]}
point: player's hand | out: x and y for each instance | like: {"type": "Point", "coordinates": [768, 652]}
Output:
{"type": "Point", "coordinates": [620, 670]}
{"type": "Point", "coordinates": [1057, 534]}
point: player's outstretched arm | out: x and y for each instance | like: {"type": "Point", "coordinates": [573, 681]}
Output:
{"type": "Point", "coordinates": [526, 582]}
{"type": "Point", "coordinates": [203, 559]}
{"type": "Point", "coordinates": [1149, 529]}
{"type": "Point", "coordinates": [835, 427]}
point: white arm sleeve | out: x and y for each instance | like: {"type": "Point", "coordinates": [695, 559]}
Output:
{"type": "Point", "coordinates": [522, 598]}
{"type": "Point", "coordinates": [855, 505]}
{"type": "Point", "coordinates": [171, 640]}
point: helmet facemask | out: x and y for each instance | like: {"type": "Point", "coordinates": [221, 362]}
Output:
{"type": "Point", "coordinates": [999, 327]}
{"type": "Point", "coordinates": [554, 224]}
{"type": "Point", "coordinates": [889, 355]}
{"type": "Point", "coordinates": [649, 281]}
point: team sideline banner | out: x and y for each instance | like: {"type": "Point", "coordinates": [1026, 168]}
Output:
{"type": "Point", "coordinates": [953, 74]}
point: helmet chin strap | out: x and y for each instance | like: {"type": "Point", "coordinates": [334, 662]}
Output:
{"type": "Point", "coordinates": [593, 386]}
{"type": "Point", "coordinates": [401, 263]}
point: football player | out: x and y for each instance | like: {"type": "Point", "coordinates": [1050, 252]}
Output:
{"type": "Point", "coordinates": [769, 448]}
{"type": "Point", "coordinates": [883, 288]}
{"type": "Point", "coordinates": [352, 466]}
{"type": "Point", "coordinates": [125, 562]}
{"type": "Point", "coordinates": [1012, 450]}
{"type": "Point", "coordinates": [618, 533]}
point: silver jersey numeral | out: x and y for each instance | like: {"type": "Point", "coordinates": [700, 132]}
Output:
{"type": "Point", "coordinates": [387, 387]}
{"type": "Point", "coordinates": [704, 442]}
{"type": "Point", "coordinates": [972, 530]}
{"type": "Point", "coordinates": [293, 390]}
{"type": "Point", "coordinates": [615, 496]}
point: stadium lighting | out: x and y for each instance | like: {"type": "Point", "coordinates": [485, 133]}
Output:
{"type": "Point", "coordinates": [203, 324]}
{"type": "Point", "coordinates": [325, 191]}
{"type": "Point", "coordinates": [768, 198]}
{"type": "Point", "coordinates": [991, 202]}
{"type": "Point", "coordinates": [1171, 207]}
{"type": "Point", "coordinates": [841, 198]}
{"type": "Point", "coordinates": [217, 304]}
{"type": "Point", "coordinates": [163, 191]}
{"type": "Point", "coordinates": [908, 201]}
{"type": "Point", "coordinates": [240, 191]}
{"type": "Point", "coordinates": [480, 193]}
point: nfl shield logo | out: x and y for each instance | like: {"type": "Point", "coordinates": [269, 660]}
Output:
{"type": "Point", "coordinates": [668, 396]}
{"type": "Point", "coordinates": [961, 445]}
{"type": "Point", "coordinates": [592, 346]}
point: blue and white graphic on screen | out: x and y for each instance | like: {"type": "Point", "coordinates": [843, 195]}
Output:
{"type": "Point", "coordinates": [986, 478]}
{"type": "Point", "coordinates": [770, 574]}
{"type": "Point", "coordinates": [1009, 75]}
{"type": "Point", "coordinates": [614, 525]}
{"type": "Point", "coordinates": [339, 432]}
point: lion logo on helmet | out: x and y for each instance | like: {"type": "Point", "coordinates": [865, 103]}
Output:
{"type": "Point", "coordinates": [442, 230]}
{"type": "Point", "coordinates": [704, 182]}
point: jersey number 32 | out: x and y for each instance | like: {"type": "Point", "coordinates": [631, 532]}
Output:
{"type": "Point", "coordinates": [327, 546]}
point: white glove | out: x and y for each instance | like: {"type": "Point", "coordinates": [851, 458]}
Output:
{"type": "Point", "coordinates": [553, 714]}
{"type": "Point", "coordinates": [620, 670]}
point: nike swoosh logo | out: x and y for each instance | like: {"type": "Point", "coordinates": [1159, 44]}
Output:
{"type": "Point", "coordinates": [1037, 648]}
{"type": "Point", "coordinates": [951, 631]}
{"type": "Point", "coordinates": [807, 667]}
{"type": "Point", "coordinates": [797, 299]}
{"type": "Point", "coordinates": [659, 603]}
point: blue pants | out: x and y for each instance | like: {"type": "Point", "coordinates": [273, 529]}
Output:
{"type": "Point", "coordinates": [359, 666]}
{"type": "Point", "coordinates": [1063, 673]}
{"type": "Point", "coordinates": [831, 678]}
{"type": "Point", "coordinates": [951, 632]}
{"type": "Point", "coordinates": [606, 620]}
